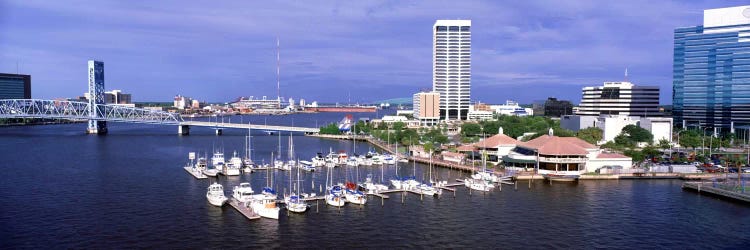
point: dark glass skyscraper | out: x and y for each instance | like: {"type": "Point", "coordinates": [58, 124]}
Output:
{"type": "Point", "coordinates": [712, 70]}
{"type": "Point", "coordinates": [13, 86]}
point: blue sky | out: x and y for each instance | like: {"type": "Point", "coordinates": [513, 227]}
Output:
{"type": "Point", "coordinates": [339, 50]}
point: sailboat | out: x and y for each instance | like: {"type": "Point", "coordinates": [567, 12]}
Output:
{"type": "Point", "coordinates": [352, 193]}
{"type": "Point", "coordinates": [290, 162]}
{"type": "Point", "coordinates": [480, 184]}
{"type": "Point", "coordinates": [247, 162]}
{"type": "Point", "coordinates": [427, 188]}
{"type": "Point", "coordinates": [293, 201]}
{"type": "Point", "coordinates": [334, 195]}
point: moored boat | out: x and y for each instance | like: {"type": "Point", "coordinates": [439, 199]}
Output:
{"type": "Point", "coordinates": [215, 195]}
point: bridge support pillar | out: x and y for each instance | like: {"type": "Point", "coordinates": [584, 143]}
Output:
{"type": "Point", "coordinates": [219, 131]}
{"type": "Point", "coordinates": [97, 127]}
{"type": "Point", "coordinates": [183, 129]}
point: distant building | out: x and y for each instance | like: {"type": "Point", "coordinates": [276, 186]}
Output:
{"type": "Point", "coordinates": [196, 104]}
{"type": "Point", "coordinates": [478, 115]}
{"type": "Point", "coordinates": [612, 125]}
{"type": "Point", "coordinates": [451, 67]}
{"type": "Point", "coordinates": [711, 76]}
{"type": "Point", "coordinates": [538, 107]}
{"type": "Point", "coordinates": [258, 104]}
{"type": "Point", "coordinates": [14, 86]}
{"type": "Point", "coordinates": [620, 98]}
{"type": "Point", "coordinates": [181, 102]}
{"type": "Point", "coordinates": [117, 97]}
{"type": "Point", "coordinates": [426, 107]}
{"type": "Point", "coordinates": [512, 108]}
{"type": "Point", "coordinates": [557, 108]}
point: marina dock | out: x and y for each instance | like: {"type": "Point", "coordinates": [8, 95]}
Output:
{"type": "Point", "coordinates": [717, 189]}
{"type": "Point", "coordinates": [198, 175]}
{"type": "Point", "coordinates": [244, 210]}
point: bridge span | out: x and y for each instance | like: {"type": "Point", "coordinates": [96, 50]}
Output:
{"type": "Point", "coordinates": [185, 127]}
{"type": "Point", "coordinates": [73, 110]}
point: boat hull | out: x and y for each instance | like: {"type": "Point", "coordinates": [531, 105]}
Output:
{"type": "Point", "coordinates": [335, 201]}
{"type": "Point", "coordinates": [217, 201]}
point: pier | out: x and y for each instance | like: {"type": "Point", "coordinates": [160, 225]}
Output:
{"type": "Point", "coordinates": [244, 210]}
{"type": "Point", "coordinates": [198, 175]}
{"type": "Point", "coordinates": [719, 189]}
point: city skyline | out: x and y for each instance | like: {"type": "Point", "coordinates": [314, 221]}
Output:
{"type": "Point", "coordinates": [370, 51]}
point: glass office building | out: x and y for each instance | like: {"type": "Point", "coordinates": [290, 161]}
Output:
{"type": "Point", "coordinates": [13, 86]}
{"type": "Point", "coordinates": [711, 84]}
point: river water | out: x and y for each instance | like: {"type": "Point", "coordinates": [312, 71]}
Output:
{"type": "Point", "coordinates": [127, 189]}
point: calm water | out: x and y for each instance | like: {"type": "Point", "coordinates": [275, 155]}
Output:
{"type": "Point", "coordinates": [65, 189]}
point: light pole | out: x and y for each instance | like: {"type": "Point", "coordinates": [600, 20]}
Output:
{"type": "Point", "coordinates": [703, 142]}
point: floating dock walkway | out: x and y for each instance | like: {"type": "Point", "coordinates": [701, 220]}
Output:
{"type": "Point", "coordinates": [720, 192]}
{"type": "Point", "coordinates": [244, 210]}
{"type": "Point", "coordinates": [198, 175]}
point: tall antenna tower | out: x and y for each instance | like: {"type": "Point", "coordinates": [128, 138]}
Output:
{"type": "Point", "coordinates": [278, 84]}
{"type": "Point", "coordinates": [626, 74]}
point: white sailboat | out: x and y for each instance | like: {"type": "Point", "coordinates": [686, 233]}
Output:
{"type": "Point", "coordinates": [247, 162]}
{"type": "Point", "coordinates": [215, 195]}
{"type": "Point", "coordinates": [334, 193]}
{"type": "Point", "coordinates": [427, 188]}
{"type": "Point", "coordinates": [293, 201]}
{"type": "Point", "coordinates": [480, 184]}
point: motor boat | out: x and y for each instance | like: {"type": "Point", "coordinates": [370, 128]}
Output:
{"type": "Point", "coordinates": [243, 192]}
{"type": "Point", "coordinates": [217, 161]}
{"type": "Point", "coordinates": [265, 206]}
{"type": "Point", "coordinates": [233, 167]}
{"type": "Point", "coordinates": [215, 195]}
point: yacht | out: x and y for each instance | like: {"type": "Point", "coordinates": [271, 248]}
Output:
{"type": "Point", "coordinates": [352, 162]}
{"type": "Point", "coordinates": [217, 161]}
{"type": "Point", "coordinates": [306, 167]}
{"type": "Point", "coordinates": [233, 167]}
{"type": "Point", "coordinates": [388, 159]}
{"type": "Point", "coordinates": [243, 192]}
{"type": "Point", "coordinates": [215, 195]}
{"type": "Point", "coordinates": [265, 205]}
{"type": "Point", "coordinates": [319, 160]}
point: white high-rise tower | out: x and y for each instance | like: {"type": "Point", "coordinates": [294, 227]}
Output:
{"type": "Point", "coordinates": [451, 67]}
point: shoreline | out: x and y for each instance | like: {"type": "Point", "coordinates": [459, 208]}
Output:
{"type": "Point", "coordinates": [527, 175]}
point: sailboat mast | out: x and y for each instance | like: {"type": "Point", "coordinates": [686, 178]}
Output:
{"type": "Point", "coordinates": [278, 72]}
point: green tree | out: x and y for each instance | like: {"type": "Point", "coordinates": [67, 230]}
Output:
{"type": "Point", "coordinates": [398, 126]}
{"type": "Point", "coordinates": [637, 134]}
{"type": "Point", "coordinates": [664, 144]}
{"type": "Point", "coordinates": [591, 135]}
{"type": "Point", "coordinates": [471, 129]}
{"type": "Point", "coordinates": [637, 155]}
{"type": "Point", "coordinates": [330, 129]}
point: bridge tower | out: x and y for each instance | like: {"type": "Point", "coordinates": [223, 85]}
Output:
{"type": "Point", "coordinates": [96, 97]}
